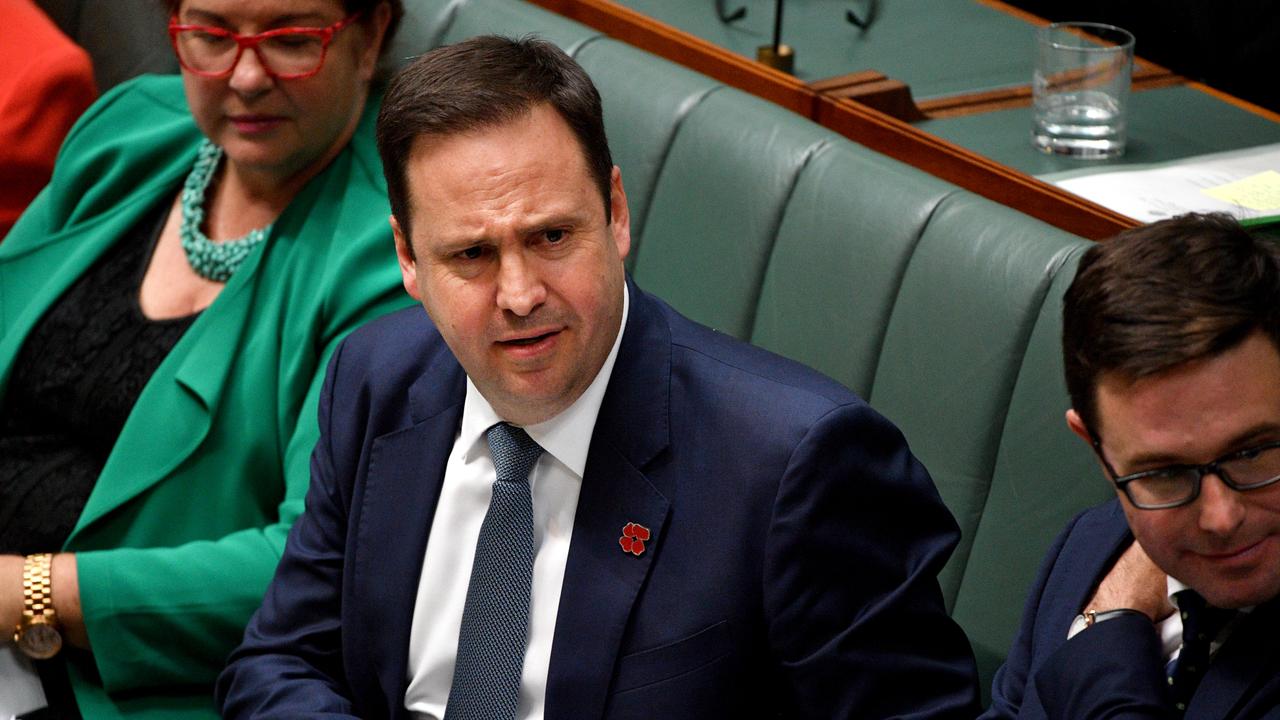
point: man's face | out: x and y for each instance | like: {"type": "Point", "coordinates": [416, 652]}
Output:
{"type": "Point", "coordinates": [514, 261]}
{"type": "Point", "coordinates": [1225, 544]}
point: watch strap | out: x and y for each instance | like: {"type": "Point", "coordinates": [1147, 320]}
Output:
{"type": "Point", "coordinates": [37, 634]}
{"type": "Point", "coordinates": [1093, 617]}
{"type": "Point", "coordinates": [37, 585]}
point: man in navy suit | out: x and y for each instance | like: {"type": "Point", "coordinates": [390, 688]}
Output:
{"type": "Point", "coordinates": [553, 496]}
{"type": "Point", "coordinates": [1165, 602]}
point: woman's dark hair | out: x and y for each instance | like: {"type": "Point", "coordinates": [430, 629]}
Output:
{"type": "Point", "coordinates": [1162, 295]}
{"type": "Point", "coordinates": [351, 6]}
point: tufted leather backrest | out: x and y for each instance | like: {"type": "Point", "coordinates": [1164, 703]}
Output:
{"type": "Point", "coordinates": [939, 307]}
{"type": "Point", "coordinates": [124, 37]}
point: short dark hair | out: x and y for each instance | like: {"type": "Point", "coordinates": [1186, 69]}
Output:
{"type": "Point", "coordinates": [352, 7]}
{"type": "Point", "coordinates": [484, 82]}
{"type": "Point", "coordinates": [1163, 295]}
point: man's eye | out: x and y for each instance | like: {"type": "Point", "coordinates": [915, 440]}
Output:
{"type": "Point", "coordinates": [471, 253]}
{"type": "Point", "coordinates": [554, 236]}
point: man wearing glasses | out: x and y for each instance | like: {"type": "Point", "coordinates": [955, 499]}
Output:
{"type": "Point", "coordinates": [1164, 602]}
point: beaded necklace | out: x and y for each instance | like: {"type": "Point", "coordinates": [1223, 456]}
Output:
{"type": "Point", "coordinates": [211, 260]}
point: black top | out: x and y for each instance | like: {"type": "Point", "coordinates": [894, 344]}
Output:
{"type": "Point", "coordinates": [72, 387]}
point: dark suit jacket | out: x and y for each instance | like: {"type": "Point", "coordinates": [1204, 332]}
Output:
{"type": "Point", "coordinates": [1116, 668]}
{"type": "Point", "coordinates": [795, 543]}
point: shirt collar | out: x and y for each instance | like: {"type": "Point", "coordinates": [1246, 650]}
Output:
{"type": "Point", "coordinates": [567, 436]}
{"type": "Point", "coordinates": [1175, 586]}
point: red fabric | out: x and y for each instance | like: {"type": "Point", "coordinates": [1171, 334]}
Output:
{"type": "Point", "coordinates": [46, 82]}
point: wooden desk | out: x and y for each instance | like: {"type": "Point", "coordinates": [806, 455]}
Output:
{"type": "Point", "coordinates": [1168, 123]}
{"type": "Point", "coordinates": [869, 127]}
{"type": "Point", "coordinates": [972, 139]}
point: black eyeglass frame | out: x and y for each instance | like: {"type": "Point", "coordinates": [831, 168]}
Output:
{"type": "Point", "coordinates": [1213, 466]}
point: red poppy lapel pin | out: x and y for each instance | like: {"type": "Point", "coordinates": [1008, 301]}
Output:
{"type": "Point", "coordinates": [633, 538]}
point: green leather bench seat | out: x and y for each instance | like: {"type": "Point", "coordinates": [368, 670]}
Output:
{"type": "Point", "coordinates": [644, 110]}
{"type": "Point", "coordinates": [1042, 476]}
{"type": "Point", "coordinates": [709, 235]}
{"type": "Point", "coordinates": [969, 298]}
{"type": "Point", "coordinates": [839, 260]}
{"type": "Point", "coordinates": [939, 307]}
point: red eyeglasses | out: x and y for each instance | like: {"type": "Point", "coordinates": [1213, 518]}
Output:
{"type": "Point", "coordinates": [290, 53]}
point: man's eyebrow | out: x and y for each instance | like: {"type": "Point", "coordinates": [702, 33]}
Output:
{"type": "Point", "coordinates": [457, 244]}
{"type": "Point", "coordinates": [570, 218]}
{"type": "Point", "coordinates": [1258, 434]}
{"type": "Point", "coordinates": [1262, 432]}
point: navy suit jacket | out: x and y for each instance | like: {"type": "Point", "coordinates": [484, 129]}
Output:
{"type": "Point", "coordinates": [791, 570]}
{"type": "Point", "coordinates": [1115, 669]}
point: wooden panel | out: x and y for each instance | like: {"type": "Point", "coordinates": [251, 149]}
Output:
{"type": "Point", "coordinates": [872, 89]}
{"type": "Point", "coordinates": [1146, 76]}
{"type": "Point", "coordinates": [859, 123]}
{"type": "Point", "coordinates": [971, 171]}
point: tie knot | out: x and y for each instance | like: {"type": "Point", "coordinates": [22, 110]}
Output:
{"type": "Point", "coordinates": [513, 451]}
{"type": "Point", "coordinates": [1199, 616]}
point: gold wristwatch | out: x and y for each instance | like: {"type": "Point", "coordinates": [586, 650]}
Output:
{"type": "Point", "coordinates": [38, 635]}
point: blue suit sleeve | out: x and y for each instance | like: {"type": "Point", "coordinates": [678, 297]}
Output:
{"type": "Point", "coordinates": [856, 615]}
{"type": "Point", "coordinates": [290, 662]}
{"type": "Point", "coordinates": [1113, 670]}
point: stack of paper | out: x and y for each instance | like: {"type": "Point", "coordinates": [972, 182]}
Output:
{"type": "Point", "coordinates": [1244, 183]}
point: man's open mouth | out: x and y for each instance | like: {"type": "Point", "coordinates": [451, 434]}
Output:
{"type": "Point", "coordinates": [528, 340]}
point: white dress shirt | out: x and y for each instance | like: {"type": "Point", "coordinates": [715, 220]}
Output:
{"type": "Point", "coordinates": [1170, 628]}
{"type": "Point", "coordinates": [464, 499]}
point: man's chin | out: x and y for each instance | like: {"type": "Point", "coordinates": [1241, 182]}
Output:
{"type": "Point", "coordinates": [528, 402]}
{"type": "Point", "coordinates": [1236, 593]}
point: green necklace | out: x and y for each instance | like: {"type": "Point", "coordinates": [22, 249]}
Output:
{"type": "Point", "coordinates": [216, 261]}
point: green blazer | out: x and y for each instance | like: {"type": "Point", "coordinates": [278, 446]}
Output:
{"type": "Point", "coordinates": [187, 521]}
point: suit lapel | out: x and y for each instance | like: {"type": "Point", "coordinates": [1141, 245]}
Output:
{"type": "Point", "coordinates": [180, 400]}
{"type": "Point", "coordinates": [601, 582]}
{"type": "Point", "coordinates": [63, 257]}
{"type": "Point", "coordinates": [1246, 661]}
{"type": "Point", "coordinates": [396, 508]}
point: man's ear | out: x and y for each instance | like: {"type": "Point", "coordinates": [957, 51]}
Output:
{"type": "Point", "coordinates": [408, 265]}
{"type": "Point", "coordinates": [1076, 423]}
{"type": "Point", "coordinates": [619, 213]}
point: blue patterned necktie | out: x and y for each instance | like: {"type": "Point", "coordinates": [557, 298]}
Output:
{"type": "Point", "coordinates": [495, 618]}
{"type": "Point", "coordinates": [1201, 623]}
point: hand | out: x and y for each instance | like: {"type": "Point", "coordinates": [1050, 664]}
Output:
{"type": "Point", "coordinates": [1136, 583]}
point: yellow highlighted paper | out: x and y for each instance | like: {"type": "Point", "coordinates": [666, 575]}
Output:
{"type": "Point", "coordinates": [1256, 192]}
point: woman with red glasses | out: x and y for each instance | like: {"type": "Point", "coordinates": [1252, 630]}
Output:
{"type": "Point", "coordinates": [167, 309]}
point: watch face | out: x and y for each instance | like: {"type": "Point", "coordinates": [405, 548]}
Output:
{"type": "Point", "coordinates": [40, 641]}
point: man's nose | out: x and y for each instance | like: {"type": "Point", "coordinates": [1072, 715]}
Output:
{"type": "Point", "coordinates": [520, 289]}
{"type": "Point", "coordinates": [1222, 509]}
